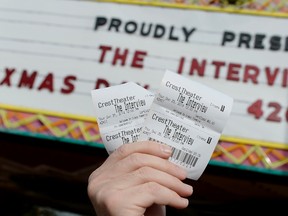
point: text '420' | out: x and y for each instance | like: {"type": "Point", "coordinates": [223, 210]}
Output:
{"type": "Point", "coordinates": [275, 113]}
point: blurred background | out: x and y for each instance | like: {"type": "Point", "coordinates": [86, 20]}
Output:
{"type": "Point", "coordinates": [43, 177]}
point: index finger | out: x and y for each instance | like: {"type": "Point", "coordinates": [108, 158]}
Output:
{"type": "Point", "coordinates": [146, 147]}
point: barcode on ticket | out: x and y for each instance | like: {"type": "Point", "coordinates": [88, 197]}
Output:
{"type": "Point", "coordinates": [181, 156]}
{"type": "Point", "coordinates": [184, 157]}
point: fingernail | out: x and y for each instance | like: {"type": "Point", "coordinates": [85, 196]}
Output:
{"type": "Point", "coordinates": [185, 201]}
{"type": "Point", "coordinates": [166, 149]}
{"type": "Point", "coordinates": [189, 188]}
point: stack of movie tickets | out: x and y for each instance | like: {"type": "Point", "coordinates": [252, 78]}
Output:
{"type": "Point", "coordinates": [184, 114]}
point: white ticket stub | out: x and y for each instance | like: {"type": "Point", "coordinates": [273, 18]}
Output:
{"type": "Point", "coordinates": [189, 117]}
{"type": "Point", "coordinates": [120, 113]}
{"type": "Point", "coordinates": [184, 114]}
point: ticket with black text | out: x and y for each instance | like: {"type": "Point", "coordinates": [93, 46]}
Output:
{"type": "Point", "coordinates": [189, 117]}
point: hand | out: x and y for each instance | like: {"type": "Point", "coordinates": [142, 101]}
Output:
{"type": "Point", "coordinates": [137, 179]}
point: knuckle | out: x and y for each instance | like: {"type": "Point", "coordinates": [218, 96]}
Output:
{"type": "Point", "coordinates": [95, 178]}
{"type": "Point", "coordinates": [90, 190]}
{"type": "Point", "coordinates": [92, 176]}
{"type": "Point", "coordinates": [91, 187]}
{"type": "Point", "coordinates": [110, 201]}
{"type": "Point", "coordinates": [121, 151]}
{"type": "Point", "coordinates": [153, 187]}
{"type": "Point", "coordinates": [94, 186]}
{"type": "Point", "coordinates": [143, 173]}
{"type": "Point", "coordinates": [136, 159]}
{"type": "Point", "coordinates": [102, 195]}
{"type": "Point", "coordinates": [94, 193]}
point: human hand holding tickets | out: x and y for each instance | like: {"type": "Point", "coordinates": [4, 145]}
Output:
{"type": "Point", "coordinates": [137, 179]}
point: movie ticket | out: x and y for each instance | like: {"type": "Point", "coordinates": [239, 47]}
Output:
{"type": "Point", "coordinates": [186, 115]}
{"type": "Point", "coordinates": [189, 117]}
